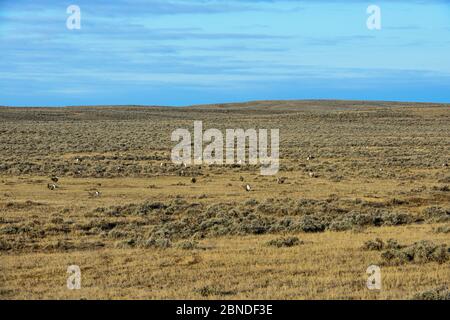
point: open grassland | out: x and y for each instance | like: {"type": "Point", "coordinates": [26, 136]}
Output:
{"type": "Point", "coordinates": [366, 183]}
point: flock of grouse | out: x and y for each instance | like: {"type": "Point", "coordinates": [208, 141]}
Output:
{"type": "Point", "coordinates": [54, 185]}
{"type": "Point", "coordinates": [95, 193]}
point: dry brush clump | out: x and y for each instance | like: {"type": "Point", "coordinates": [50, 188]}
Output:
{"type": "Point", "coordinates": [436, 214]}
{"type": "Point", "coordinates": [394, 253]}
{"type": "Point", "coordinates": [378, 245]}
{"type": "Point", "coordinates": [65, 245]}
{"type": "Point", "coordinates": [213, 290]}
{"type": "Point", "coordinates": [157, 224]}
{"type": "Point", "coordinates": [180, 219]}
{"type": "Point", "coordinates": [419, 253]}
{"type": "Point", "coordinates": [442, 229]}
{"type": "Point", "coordinates": [440, 293]}
{"type": "Point", "coordinates": [188, 245]}
{"type": "Point", "coordinates": [5, 245]}
{"type": "Point", "coordinates": [284, 242]}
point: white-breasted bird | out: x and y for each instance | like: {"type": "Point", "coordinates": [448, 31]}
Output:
{"type": "Point", "coordinates": [52, 186]}
{"type": "Point", "coordinates": [95, 194]}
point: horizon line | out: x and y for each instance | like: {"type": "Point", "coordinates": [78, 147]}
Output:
{"type": "Point", "coordinates": [224, 103]}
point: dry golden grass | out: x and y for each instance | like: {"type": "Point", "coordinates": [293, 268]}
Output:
{"type": "Point", "coordinates": [329, 265]}
{"type": "Point", "coordinates": [371, 160]}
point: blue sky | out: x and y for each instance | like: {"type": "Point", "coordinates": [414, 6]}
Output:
{"type": "Point", "coordinates": [182, 52]}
